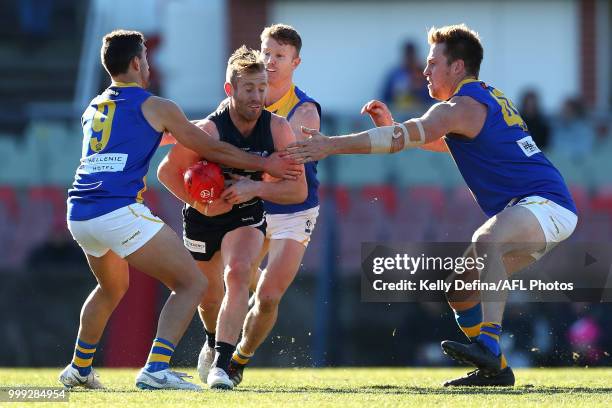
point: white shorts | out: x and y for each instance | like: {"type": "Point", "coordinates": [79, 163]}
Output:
{"type": "Point", "coordinates": [296, 226]}
{"type": "Point", "coordinates": [557, 222]}
{"type": "Point", "coordinates": [123, 231]}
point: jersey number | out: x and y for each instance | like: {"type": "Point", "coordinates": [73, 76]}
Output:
{"type": "Point", "coordinates": [511, 114]}
{"type": "Point", "coordinates": [102, 123]}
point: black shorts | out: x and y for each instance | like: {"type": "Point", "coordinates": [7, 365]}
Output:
{"type": "Point", "coordinates": [202, 235]}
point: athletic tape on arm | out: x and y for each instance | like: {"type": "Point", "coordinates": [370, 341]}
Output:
{"type": "Point", "coordinates": [391, 139]}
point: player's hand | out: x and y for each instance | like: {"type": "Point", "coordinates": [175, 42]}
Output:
{"type": "Point", "coordinates": [280, 166]}
{"type": "Point", "coordinates": [379, 112]}
{"type": "Point", "coordinates": [214, 208]}
{"type": "Point", "coordinates": [316, 147]}
{"type": "Point", "coordinates": [244, 189]}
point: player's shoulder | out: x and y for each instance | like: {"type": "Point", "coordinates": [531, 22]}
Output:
{"type": "Point", "coordinates": [160, 105]}
{"type": "Point", "coordinates": [462, 104]}
{"type": "Point", "coordinates": [307, 114]}
{"type": "Point", "coordinates": [307, 108]}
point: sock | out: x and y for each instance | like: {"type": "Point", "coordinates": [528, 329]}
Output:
{"type": "Point", "coordinates": [470, 321]}
{"type": "Point", "coordinates": [161, 353]}
{"type": "Point", "coordinates": [223, 355]}
{"type": "Point", "coordinates": [489, 336]}
{"type": "Point", "coordinates": [240, 357]}
{"type": "Point", "coordinates": [210, 338]}
{"type": "Point", "coordinates": [83, 357]}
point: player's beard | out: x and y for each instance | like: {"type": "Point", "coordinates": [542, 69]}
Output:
{"type": "Point", "coordinates": [246, 113]}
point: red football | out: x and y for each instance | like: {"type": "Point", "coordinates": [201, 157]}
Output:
{"type": "Point", "coordinates": [204, 181]}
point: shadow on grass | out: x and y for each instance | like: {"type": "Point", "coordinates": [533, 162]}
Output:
{"type": "Point", "coordinates": [392, 390]}
{"type": "Point", "coordinates": [397, 389]}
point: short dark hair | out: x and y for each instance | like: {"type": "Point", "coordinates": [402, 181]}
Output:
{"type": "Point", "coordinates": [119, 48]}
{"type": "Point", "coordinates": [283, 34]}
{"type": "Point", "coordinates": [461, 43]}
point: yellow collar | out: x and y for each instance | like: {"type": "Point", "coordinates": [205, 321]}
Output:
{"type": "Point", "coordinates": [117, 84]}
{"type": "Point", "coordinates": [283, 100]}
{"type": "Point", "coordinates": [463, 82]}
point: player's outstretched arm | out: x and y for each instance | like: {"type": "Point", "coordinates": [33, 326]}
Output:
{"type": "Point", "coordinates": [381, 116]}
{"type": "Point", "coordinates": [165, 115]}
{"type": "Point", "coordinates": [461, 115]}
{"type": "Point", "coordinates": [281, 192]}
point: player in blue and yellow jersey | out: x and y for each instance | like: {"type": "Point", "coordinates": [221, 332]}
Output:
{"type": "Point", "coordinates": [525, 196]}
{"type": "Point", "coordinates": [122, 128]}
{"type": "Point", "coordinates": [289, 226]}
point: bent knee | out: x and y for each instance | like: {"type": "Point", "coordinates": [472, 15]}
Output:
{"type": "Point", "coordinates": [268, 302]}
{"type": "Point", "coordinates": [212, 298]}
{"type": "Point", "coordinates": [193, 282]}
{"type": "Point", "coordinates": [487, 242]}
{"type": "Point", "coordinates": [116, 290]}
{"type": "Point", "coordinates": [238, 272]}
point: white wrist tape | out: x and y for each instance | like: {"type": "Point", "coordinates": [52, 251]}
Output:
{"type": "Point", "coordinates": [390, 139]}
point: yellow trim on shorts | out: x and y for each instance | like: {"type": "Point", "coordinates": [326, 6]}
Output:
{"type": "Point", "coordinates": [152, 219]}
{"type": "Point", "coordinates": [535, 202]}
{"type": "Point", "coordinates": [144, 216]}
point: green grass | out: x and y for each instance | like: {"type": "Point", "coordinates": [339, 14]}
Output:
{"type": "Point", "coordinates": [345, 387]}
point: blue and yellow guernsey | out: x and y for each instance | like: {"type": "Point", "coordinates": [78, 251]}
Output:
{"type": "Point", "coordinates": [118, 143]}
{"type": "Point", "coordinates": [502, 164]}
{"type": "Point", "coordinates": [286, 107]}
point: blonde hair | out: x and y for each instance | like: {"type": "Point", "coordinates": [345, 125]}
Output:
{"type": "Point", "coordinates": [243, 60]}
{"type": "Point", "coordinates": [461, 43]}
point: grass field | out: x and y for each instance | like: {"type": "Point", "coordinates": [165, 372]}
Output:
{"type": "Point", "coordinates": [346, 387]}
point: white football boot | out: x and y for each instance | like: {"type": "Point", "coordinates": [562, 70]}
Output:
{"type": "Point", "coordinates": [205, 360]}
{"type": "Point", "coordinates": [164, 380]}
{"type": "Point", "coordinates": [219, 380]}
{"type": "Point", "coordinates": [70, 377]}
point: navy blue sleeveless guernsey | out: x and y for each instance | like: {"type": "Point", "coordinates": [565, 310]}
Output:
{"type": "Point", "coordinates": [286, 107]}
{"type": "Point", "coordinates": [118, 144]}
{"type": "Point", "coordinates": [502, 162]}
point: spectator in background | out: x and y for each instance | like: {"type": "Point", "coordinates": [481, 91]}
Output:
{"type": "Point", "coordinates": [572, 135]}
{"type": "Point", "coordinates": [537, 123]}
{"type": "Point", "coordinates": [405, 89]}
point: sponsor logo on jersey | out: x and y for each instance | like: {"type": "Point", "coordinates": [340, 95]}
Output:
{"type": "Point", "coordinates": [528, 146]}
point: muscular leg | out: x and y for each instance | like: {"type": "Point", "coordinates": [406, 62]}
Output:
{"type": "Point", "coordinates": [285, 257]}
{"type": "Point", "coordinates": [165, 258]}
{"type": "Point", "coordinates": [513, 235]}
{"type": "Point", "coordinates": [112, 274]}
{"type": "Point", "coordinates": [256, 274]}
{"type": "Point", "coordinates": [507, 241]}
{"type": "Point", "coordinates": [211, 301]}
{"type": "Point", "coordinates": [239, 250]}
